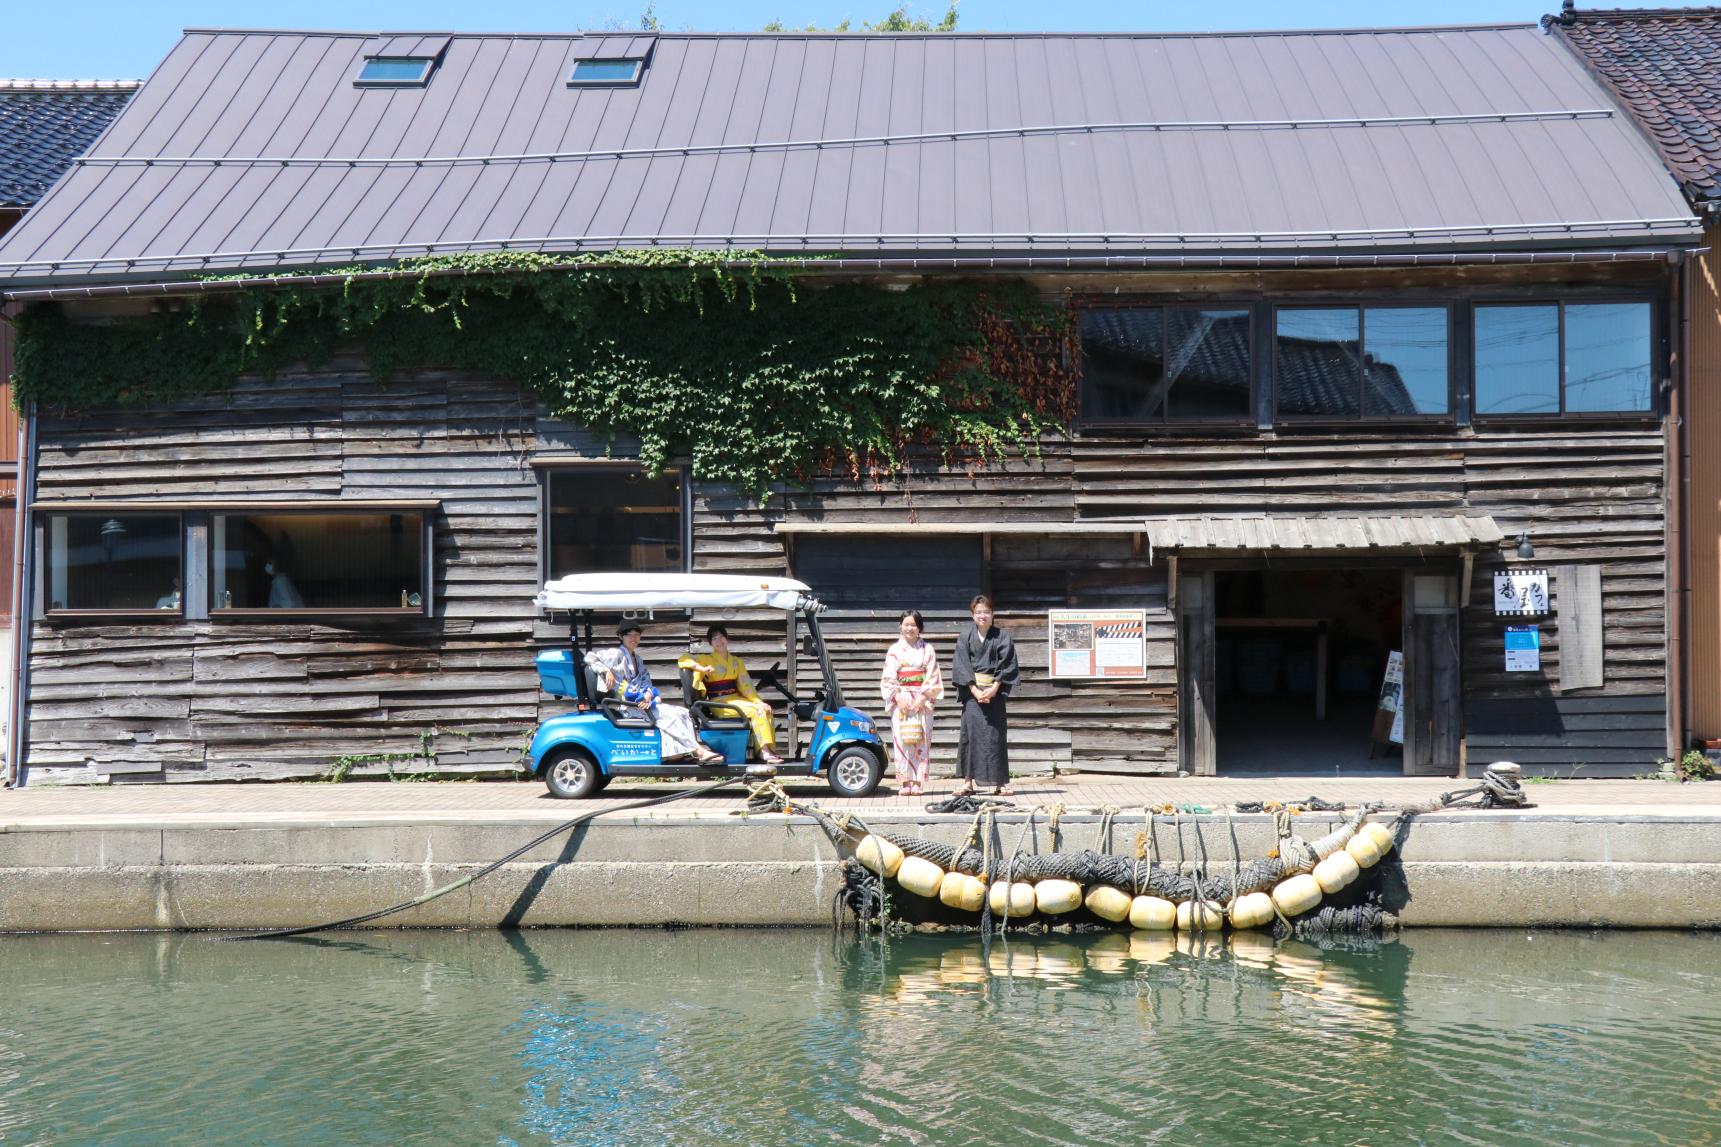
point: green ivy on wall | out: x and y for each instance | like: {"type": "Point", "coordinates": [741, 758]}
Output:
{"type": "Point", "coordinates": [755, 374]}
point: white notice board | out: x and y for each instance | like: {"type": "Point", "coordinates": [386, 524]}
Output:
{"type": "Point", "coordinates": [1097, 643]}
{"type": "Point", "coordinates": [1521, 593]}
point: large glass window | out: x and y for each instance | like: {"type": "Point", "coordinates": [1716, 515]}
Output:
{"type": "Point", "coordinates": [334, 561]}
{"type": "Point", "coordinates": [1361, 362]}
{"type": "Point", "coordinates": [614, 518]}
{"type": "Point", "coordinates": [113, 562]}
{"type": "Point", "coordinates": [1156, 364]}
{"type": "Point", "coordinates": [1572, 358]}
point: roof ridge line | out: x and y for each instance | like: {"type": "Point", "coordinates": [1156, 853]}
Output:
{"type": "Point", "coordinates": [788, 34]}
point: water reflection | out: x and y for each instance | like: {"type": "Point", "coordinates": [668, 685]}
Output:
{"type": "Point", "coordinates": [796, 1037]}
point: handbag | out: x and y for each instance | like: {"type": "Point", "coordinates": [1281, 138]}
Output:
{"type": "Point", "coordinates": [911, 730]}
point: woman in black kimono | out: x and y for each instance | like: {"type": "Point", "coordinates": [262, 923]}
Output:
{"type": "Point", "coordinates": [985, 675]}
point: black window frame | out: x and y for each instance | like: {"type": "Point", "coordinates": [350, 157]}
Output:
{"type": "Point", "coordinates": [632, 81]}
{"type": "Point", "coordinates": [1657, 359]}
{"type": "Point", "coordinates": [549, 468]}
{"type": "Point", "coordinates": [41, 608]}
{"type": "Point", "coordinates": [1362, 305]}
{"type": "Point", "coordinates": [1248, 420]}
{"type": "Point", "coordinates": [421, 80]}
{"type": "Point", "coordinates": [255, 614]}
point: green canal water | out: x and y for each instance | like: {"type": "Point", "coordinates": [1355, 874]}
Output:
{"type": "Point", "coordinates": [799, 1038]}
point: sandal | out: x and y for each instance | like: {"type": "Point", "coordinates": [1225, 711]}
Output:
{"type": "Point", "coordinates": [966, 789]}
{"type": "Point", "coordinates": [1003, 791]}
{"type": "Point", "coordinates": [771, 758]}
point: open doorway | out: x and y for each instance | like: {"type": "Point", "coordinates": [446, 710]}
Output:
{"type": "Point", "coordinates": [1299, 659]}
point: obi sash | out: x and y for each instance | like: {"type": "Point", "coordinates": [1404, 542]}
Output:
{"type": "Point", "coordinates": [726, 687]}
{"type": "Point", "coordinates": [911, 676]}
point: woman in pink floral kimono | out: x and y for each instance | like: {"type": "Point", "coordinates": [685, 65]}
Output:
{"type": "Point", "coordinates": [910, 686]}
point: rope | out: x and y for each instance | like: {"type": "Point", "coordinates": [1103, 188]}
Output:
{"type": "Point", "coordinates": [1500, 788]}
{"type": "Point", "coordinates": [471, 878]}
{"type": "Point", "coordinates": [967, 803]}
{"type": "Point", "coordinates": [1054, 834]}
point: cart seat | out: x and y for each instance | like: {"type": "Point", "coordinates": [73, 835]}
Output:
{"type": "Point", "coordinates": [709, 714]}
{"type": "Point", "coordinates": [620, 713]}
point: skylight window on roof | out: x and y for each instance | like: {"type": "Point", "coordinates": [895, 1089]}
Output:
{"type": "Point", "coordinates": [610, 73]}
{"type": "Point", "coordinates": [395, 71]}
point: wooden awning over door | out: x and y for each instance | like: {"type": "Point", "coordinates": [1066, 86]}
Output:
{"type": "Point", "coordinates": [1314, 534]}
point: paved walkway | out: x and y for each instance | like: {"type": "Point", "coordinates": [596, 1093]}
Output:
{"type": "Point", "coordinates": [522, 800]}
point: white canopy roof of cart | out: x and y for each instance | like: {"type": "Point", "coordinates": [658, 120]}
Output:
{"type": "Point", "coordinates": [634, 591]}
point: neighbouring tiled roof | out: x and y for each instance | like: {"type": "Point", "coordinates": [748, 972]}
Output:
{"type": "Point", "coordinates": [45, 125]}
{"type": "Point", "coordinates": [256, 150]}
{"type": "Point", "coordinates": [1664, 65]}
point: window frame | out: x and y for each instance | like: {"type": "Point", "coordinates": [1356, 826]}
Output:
{"type": "Point", "coordinates": [1246, 421]}
{"type": "Point", "coordinates": [1362, 305]}
{"type": "Point", "coordinates": [41, 545]}
{"type": "Point", "coordinates": [632, 81]}
{"type": "Point", "coordinates": [427, 566]}
{"type": "Point", "coordinates": [422, 80]}
{"type": "Point", "coordinates": [1657, 359]}
{"type": "Point", "coordinates": [548, 466]}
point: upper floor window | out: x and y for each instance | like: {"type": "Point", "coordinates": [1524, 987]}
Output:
{"type": "Point", "coordinates": [113, 563]}
{"type": "Point", "coordinates": [1564, 358]}
{"type": "Point", "coordinates": [1361, 362]}
{"type": "Point", "coordinates": [614, 518]}
{"type": "Point", "coordinates": [1159, 364]}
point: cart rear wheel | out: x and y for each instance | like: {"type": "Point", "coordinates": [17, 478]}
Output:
{"type": "Point", "coordinates": [854, 772]}
{"type": "Point", "coordinates": [572, 773]}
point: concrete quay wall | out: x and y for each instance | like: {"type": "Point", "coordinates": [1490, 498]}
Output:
{"type": "Point", "coordinates": [1533, 868]}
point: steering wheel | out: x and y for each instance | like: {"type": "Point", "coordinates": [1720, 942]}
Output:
{"type": "Point", "coordinates": [769, 678]}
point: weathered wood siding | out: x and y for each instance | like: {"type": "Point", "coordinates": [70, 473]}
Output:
{"type": "Point", "coordinates": [231, 699]}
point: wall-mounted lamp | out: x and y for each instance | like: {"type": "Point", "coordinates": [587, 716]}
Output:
{"type": "Point", "coordinates": [1525, 550]}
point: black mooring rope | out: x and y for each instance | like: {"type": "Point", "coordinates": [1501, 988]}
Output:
{"type": "Point", "coordinates": [437, 893]}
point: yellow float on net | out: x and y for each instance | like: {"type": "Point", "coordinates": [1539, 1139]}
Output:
{"type": "Point", "coordinates": [1253, 910]}
{"type": "Point", "coordinates": [1018, 898]}
{"type": "Point", "coordinates": [1202, 917]}
{"type": "Point", "coordinates": [1055, 897]}
{"type": "Point", "coordinates": [880, 855]}
{"type": "Point", "coordinates": [920, 876]}
{"type": "Point", "coordinates": [1336, 871]}
{"type": "Point", "coordinates": [1108, 903]}
{"type": "Point", "coordinates": [1152, 914]}
{"type": "Point", "coordinates": [1298, 894]}
{"type": "Point", "coordinates": [961, 891]}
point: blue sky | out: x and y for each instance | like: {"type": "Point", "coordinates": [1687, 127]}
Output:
{"type": "Point", "coordinates": [123, 39]}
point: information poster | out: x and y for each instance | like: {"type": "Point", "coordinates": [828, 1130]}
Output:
{"type": "Point", "coordinates": [1523, 649]}
{"type": "Point", "coordinates": [1097, 643]}
{"type": "Point", "coordinates": [1521, 593]}
{"type": "Point", "coordinates": [1392, 700]}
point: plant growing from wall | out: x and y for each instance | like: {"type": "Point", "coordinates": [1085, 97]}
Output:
{"type": "Point", "coordinates": [755, 375]}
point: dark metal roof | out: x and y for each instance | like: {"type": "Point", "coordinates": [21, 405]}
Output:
{"type": "Point", "coordinates": [1664, 65]}
{"type": "Point", "coordinates": [255, 150]}
{"type": "Point", "coordinates": [45, 125]}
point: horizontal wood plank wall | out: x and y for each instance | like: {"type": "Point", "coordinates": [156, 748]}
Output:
{"type": "Point", "coordinates": [234, 700]}
{"type": "Point", "coordinates": [228, 700]}
{"type": "Point", "coordinates": [1586, 495]}
{"type": "Point", "coordinates": [1123, 727]}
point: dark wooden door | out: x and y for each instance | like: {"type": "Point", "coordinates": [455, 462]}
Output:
{"type": "Point", "coordinates": [1196, 749]}
{"type": "Point", "coordinates": [1433, 725]}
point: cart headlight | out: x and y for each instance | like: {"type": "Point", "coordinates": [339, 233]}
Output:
{"type": "Point", "coordinates": [863, 724]}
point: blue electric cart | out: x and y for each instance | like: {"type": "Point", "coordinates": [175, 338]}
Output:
{"type": "Point", "coordinates": [577, 754]}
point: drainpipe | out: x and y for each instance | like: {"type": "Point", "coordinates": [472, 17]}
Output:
{"type": "Point", "coordinates": [22, 549]}
{"type": "Point", "coordinates": [1678, 491]}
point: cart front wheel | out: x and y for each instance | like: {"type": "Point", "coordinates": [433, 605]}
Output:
{"type": "Point", "coordinates": [572, 774]}
{"type": "Point", "coordinates": [854, 772]}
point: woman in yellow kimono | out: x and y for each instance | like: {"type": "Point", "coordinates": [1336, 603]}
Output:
{"type": "Point", "coordinates": [721, 676]}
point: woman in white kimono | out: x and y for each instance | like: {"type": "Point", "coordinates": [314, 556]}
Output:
{"type": "Point", "coordinates": [910, 686]}
{"type": "Point", "coordinates": [625, 674]}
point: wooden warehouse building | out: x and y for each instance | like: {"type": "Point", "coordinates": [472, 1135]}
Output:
{"type": "Point", "coordinates": [1372, 328]}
